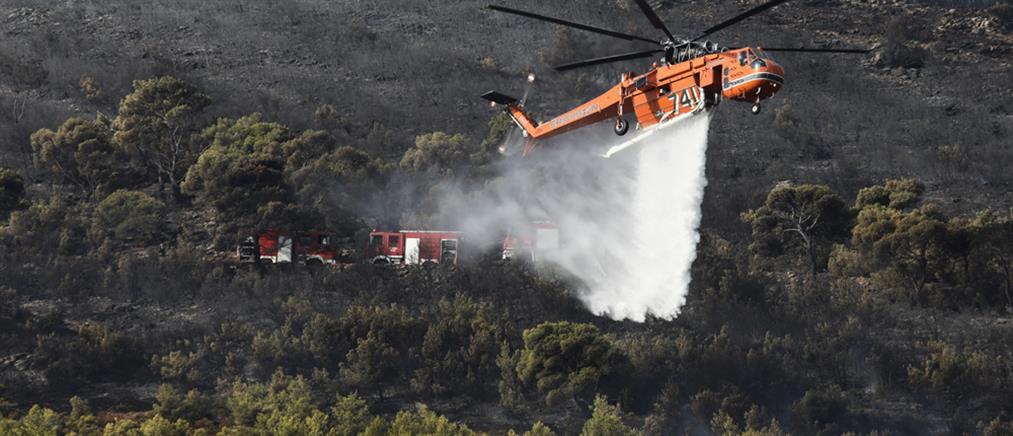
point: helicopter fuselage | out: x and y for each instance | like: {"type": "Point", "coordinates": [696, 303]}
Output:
{"type": "Point", "coordinates": [668, 91]}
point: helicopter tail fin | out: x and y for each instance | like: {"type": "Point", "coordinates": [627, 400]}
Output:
{"type": "Point", "coordinates": [514, 109]}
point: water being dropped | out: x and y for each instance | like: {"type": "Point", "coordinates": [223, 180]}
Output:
{"type": "Point", "coordinates": [637, 263]}
{"type": "Point", "coordinates": [627, 225]}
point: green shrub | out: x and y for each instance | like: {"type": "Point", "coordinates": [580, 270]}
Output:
{"type": "Point", "coordinates": [564, 361]}
{"type": "Point", "coordinates": [606, 420]}
{"type": "Point", "coordinates": [130, 217]}
{"type": "Point", "coordinates": [426, 422]}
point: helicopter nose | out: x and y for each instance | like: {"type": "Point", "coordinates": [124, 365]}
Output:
{"type": "Point", "coordinates": [774, 74]}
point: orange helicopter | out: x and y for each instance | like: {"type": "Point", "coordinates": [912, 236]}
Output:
{"type": "Point", "coordinates": [690, 78]}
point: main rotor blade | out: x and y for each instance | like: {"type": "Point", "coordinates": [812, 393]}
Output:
{"type": "Point", "coordinates": [598, 30]}
{"type": "Point", "coordinates": [608, 59]}
{"type": "Point", "coordinates": [818, 50]}
{"type": "Point", "coordinates": [654, 18]}
{"type": "Point", "coordinates": [736, 19]}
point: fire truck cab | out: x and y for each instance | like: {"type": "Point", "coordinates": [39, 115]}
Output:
{"type": "Point", "coordinates": [413, 247]}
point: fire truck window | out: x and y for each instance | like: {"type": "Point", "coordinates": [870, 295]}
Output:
{"type": "Point", "coordinates": [305, 240]}
{"type": "Point", "coordinates": [394, 241]}
{"type": "Point", "coordinates": [325, 240]}
{"type": "Point", "coordinates": [376, 241]}
{"type": "Point", "coordinates": [742, 58]}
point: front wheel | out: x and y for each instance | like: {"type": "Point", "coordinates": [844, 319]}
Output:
{"type": "Point", "coordinates": [622, 126]}
{"type": "Point", "coordinates": [756, 109]}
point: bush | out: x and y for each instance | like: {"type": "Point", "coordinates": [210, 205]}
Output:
{"type": "Point", "coordinates": [81, 153]}
{"type": "Point", "coordinates": [130, 217]}
{"type": "Point", "coordinates": [283, 406]}
{"type": "Point", "coordinates": [957, 370]}
{"type": "Point", "coordinates": [193, 406]}
{"type": "Point", "coordinates": [459, 349]}
{"type": "Point", "coordinates": [606, 420]}
{"type": "Point", "coordinates": [439, 152]}
{"type": "Point", "coordinates": [52, 227]}
{"type": "Point", "coordinates": [895, 194]}
{"type": "Point", "coordinates": [567, 361]}
{"type": "Point", "coordinates": [426, 422]}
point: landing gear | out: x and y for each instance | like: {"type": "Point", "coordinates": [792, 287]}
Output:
{"type": "Point", "coordinates": [622, 126]}
{"type": "Point", "coordinates": [756, 109]}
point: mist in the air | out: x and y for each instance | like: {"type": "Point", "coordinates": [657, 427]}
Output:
{"type": "Point", "coordinates": [627, 225]}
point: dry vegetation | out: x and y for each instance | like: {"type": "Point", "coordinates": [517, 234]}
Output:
{"type": "Point", "coordinates": [869, 293]}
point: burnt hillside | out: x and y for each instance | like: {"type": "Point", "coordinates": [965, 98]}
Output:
{"type": "Point", "coordinates": [397, 69]}
{"type": "Point", "coordinates": [140, 142]}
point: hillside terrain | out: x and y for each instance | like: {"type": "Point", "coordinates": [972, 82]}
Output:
{"type": "Point", "coordinates": [141, 142]}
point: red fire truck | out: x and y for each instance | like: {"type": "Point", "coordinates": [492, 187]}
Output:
{"type": "Point", "coordinates": [413, 247]}
{"type": "Point", "coordinates": [532, 242]}
{"type": "Point", "coordinates": [276, 246]}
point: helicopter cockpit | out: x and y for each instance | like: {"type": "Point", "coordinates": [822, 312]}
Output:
{"type": "Point", "coordinates": [755, 57]}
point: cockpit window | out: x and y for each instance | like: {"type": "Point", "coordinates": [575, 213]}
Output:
{"type": "Point", "coordinates": [752, 55]}
{"type": "Point", "coordinates": [763, 54]}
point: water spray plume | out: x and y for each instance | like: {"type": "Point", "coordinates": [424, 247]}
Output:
{"type": "Point", "coordinates": [637, 263]}
{"type": "Point", "coordinates": [627, 225]}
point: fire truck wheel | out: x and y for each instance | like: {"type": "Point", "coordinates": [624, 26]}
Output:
{"type": "Point", "coordinates": [622, 126]}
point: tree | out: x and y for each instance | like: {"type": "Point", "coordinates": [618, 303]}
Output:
{"type": "Point", "coordinates": [910, 244]}
{"type": "Point", "coordinates": [459, 349]}
{"type": "Point", "coordinates": [564, 361]}
{"type": "Point", "coordinates": [807, 218]}
{"type": "Point", "coordinates": [346, 185]}
{"type": "Point", "coordinates": [283, 406]}
{"type": "Point", "coordinates": [50, 226]}
{"type": "Point", "coordinates": [12, 192]}
{"type": "Point", "coordinates": [895, 194]}
{"type": "Point", "coordinates": [350, 414]}
{"type": "Point", "coordinates": [426, 422]}
{"type": "Point", "coordinates": [537, 429]}
{"type": "Point", "coordinates": [371, 364]}
{"type": "Point", "coordinates": [159, 426]}
{"type": "Point", "coordinates": [156, 126]}
{"type": "Point", "coordinates": [80, 153]}
{"type": "Point", "coordinates": [439, 152]}
{"type": "Point", "coordinates": [306, 148]}
{"type": "Point", "coordinates": [606, 420]}
{"type": "Point", "coordinates": [81, 421]}
{"type": "Point", "coordinates": [130, 216]}
{"type": "Point", "coordinates": [241, 174]}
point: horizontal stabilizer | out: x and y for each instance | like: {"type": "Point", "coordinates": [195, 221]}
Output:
{"type": "Point", "coordinates": [502, 99]}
